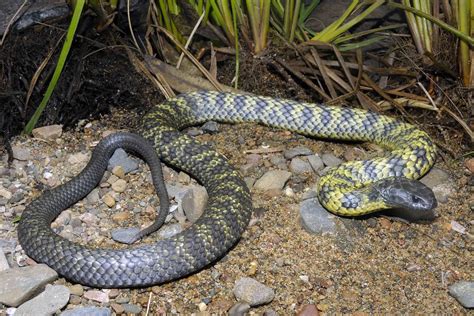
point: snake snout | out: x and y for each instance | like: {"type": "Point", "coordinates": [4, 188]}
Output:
{"type": "Point", "coordinates": [411, 195]}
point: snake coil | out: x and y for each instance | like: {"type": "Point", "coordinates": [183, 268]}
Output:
{"type": "Point", "coordinates": [354, 188]}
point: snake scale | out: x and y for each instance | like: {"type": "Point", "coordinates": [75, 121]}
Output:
{"type": "Point", "coordinates": [354, 188]}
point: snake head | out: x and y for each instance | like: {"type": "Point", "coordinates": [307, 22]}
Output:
{"type": "Point", "coordinates": [414, 200]}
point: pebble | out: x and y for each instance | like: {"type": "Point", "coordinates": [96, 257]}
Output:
{"type": "Point", "coordinates": [20, 284]}
{"type": "Point", "coordinates": [118, 171]}
{"type": "Point", "coordinates": [47, 303]}
{"type": "Point", "coordinates": [354, 153]}
{"type": "Point", "coordinates": [21, 153]}
{"type": "Point", "coordinates": [272, 180]}
{"type": "Point", "coordinates": [108, 200]}
{"type": "Point", "coordinates": [297, 151]}
{"type": "Point", "coordinates": [78, 159]}
{"type": "Point", "coordinates": [50, 132]}
{"type": "Point", "coordinates": [121, 158]}
{"type": "Point", "coordinates": [300, 166]}
{"type": "Point", "coordinates": [253, 292]}
{"type": "Point", "coordinates": [117, 308]}
{"type": "Point", "coordinates": [463, 291]}
{"type": "Point", "coordinates": [124, 235]}
{"type": "Point", "coordinates": [88, 311]}
{"type": "Point", "coordinates": [239, 309]}
{"type": "Point", "coordinates": [3, 261]}
{"type": "Point", "coordinates": [89, 219]}
{"type": "Point", "coordinates": [316, 162]}
{"type": "Point", "coordinates": [308, 310]}
{"type": "Point", "coordinates": [93, 197]}
{"type": "Point", "coordinates": [469, 164]}
{"type": "Point", "coordinates": [435, 177]}
{"type": "Point", "coordinates": [121, 217]}
{"type": "Point", "coordinates": [119, 186]}
{"type": "Point", "coordinates": [132, 308]}
{"type": "Point", "coordinates": [5, 193]}
{"type": "Point", "coordinates": [210, 127]}
{"type": "Point", "coordinates": [270, 312]}
{"type": "Point", "coordinates": [330, 160]}
{"type": "Point", "coordinates": [443, 191]}
{"type": "Point", "coordinates": [170, 230]}
{"type": "Point", "coordinates": [96, 295]}
{"type": "Point", "coordinates": [76, 289]}
{"type": "Point", "coordinates": [315, 219]}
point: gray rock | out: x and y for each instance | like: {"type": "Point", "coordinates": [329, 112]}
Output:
{"type": "Point", "coordinates": [316, 162]}
{"type": "Point", "coordinates": [272, 180]}
{"type": "Point", "coordinates": [271, 312]}
{"type": "Point", "coordinates": [47, 303]}
{"type": "Point", "coordinates": [300, 166]}
{"type": "Point", "coordinates": [21, 153]}
{"type": "Point", "coordinates": [463, 291]}
{"type": "Point", "coordinates": [239, 309]}
{"type": "Point", "coordinates": [20, 284]}
{"type": "Point", "coordinates": [443, 191]}
{"type": "Point", "coordinates": [50, 132]}
{"type": "Point", "coordinates": [310, 194]}
{"type": "Point", "coordinates": [3, 261]}
{"type": "Point", "coordinates": [93, 197]}
{"type": "Point", "coordinates": [88, 311]}
{"type": "Point", "coordinates": [435, 177]}
{"type": "Point", "coordinates": [193, 203]}
{"type": "Point", "coordinates": [194, 131]}
{"type": "Point", "coordinates": [253, 292]}
{"type": "Point", "coordinates": [132, 308]}
{"type": "Point", "coordinates": [330, 160]}
{"type": "Point", "coordinates": [297, 151]}
{"type": "Point", "coordinates": [277, 160]}
{"type": "Point", "coordinates": [170, 230]}
{"type": "Point", "coordinates": [124, 235]}
{"type": "Point", "coordinates": [210, 127]}
{"type": "Point", "coordinates": [315, 219]}
{"type": "Point", "coordinates": [120, 158]}
{"type": "Point", "coordinates": [248, 168]}
{"type": "Point", "coordinates": [176, 191]}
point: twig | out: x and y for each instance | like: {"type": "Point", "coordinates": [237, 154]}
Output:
{"type": "Point", "coordinates": [12, 20]}
{"type": "Point", "coordinates": [188, 42]}
{"type": "Point", "coordinates": [130, 26]}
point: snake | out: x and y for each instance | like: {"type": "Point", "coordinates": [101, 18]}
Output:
{"type": "Point", "coordinates": [353, 188]}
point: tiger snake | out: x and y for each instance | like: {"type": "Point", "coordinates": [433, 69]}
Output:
{"type": "Point", "coordinates": [351, 189]}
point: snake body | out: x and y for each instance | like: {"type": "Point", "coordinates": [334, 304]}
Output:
{"type": "Point", "coordinates": [354, 188]}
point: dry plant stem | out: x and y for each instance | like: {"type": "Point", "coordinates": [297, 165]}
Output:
{"type": "Point", "coordinates": [180, 81]}
{"type": "Point", "coordinates": [40, 69]}
{"type": "Point", "coordinates": [130, 26]}
{"type": "Point", "coordinates": [190, 39]}
{"type": "Point", "coordinates": [204, 71]}
{"type": "Point", "coordinates": [461, 122]}
{"type": "Point", "coordinates": [303, 78]}
{"type": "Point", "coordinates": [158, 80]}
{"type": "Point", "coordinates": [213, 66]}
{"type": "Point", "coordinates": [324, 73]}
{"type": "Point", "coordinates": [12, 20]}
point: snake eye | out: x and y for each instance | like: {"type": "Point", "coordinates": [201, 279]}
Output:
{"type": "Point", "coordinates": [415, 199]}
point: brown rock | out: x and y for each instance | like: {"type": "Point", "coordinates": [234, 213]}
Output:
{"type": "Point", "coordinates": [118, 171]}
{"type": "Point", "coordinates": [108, 200]}
{"type": "Point", "coordinates": [117, 308]}
{"type": "Point", "coordinates": [50, 132]}
{"type": "Point", "coordinates": [469, 163]}
{"type": "Point", "coordinates": [308, 310]}
{"type": "Point", "coordinates": [220, 305]}
{"type": "Point", "coordinates": [120, 217]}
